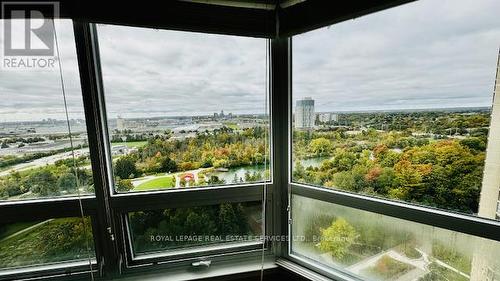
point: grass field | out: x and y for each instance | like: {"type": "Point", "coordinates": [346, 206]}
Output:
{"type": "Point", "coordinates": [231, 125]}
{"type": "Point", "coordinates": [30, 247]}
{"type": "Point", "coordinates": [157, 183]}
{"type": "Point", "coordinates": [130, 144]}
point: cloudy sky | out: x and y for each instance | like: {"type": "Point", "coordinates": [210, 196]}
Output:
{"type": "Point", "coordinates": [426, 54]}
{"type": "Point", "coordinates": [431, 53]}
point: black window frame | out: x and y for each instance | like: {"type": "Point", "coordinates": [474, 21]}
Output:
{"type": "Point", "coordinates": [108, 211]}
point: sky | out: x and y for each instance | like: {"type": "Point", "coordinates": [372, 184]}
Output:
{"type": "Point", "coordinates": [426, 54]}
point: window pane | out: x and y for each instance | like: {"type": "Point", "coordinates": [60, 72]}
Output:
{"type": "Point", "coordinates": [378, 247]}
{"type": "Point", "coordinates": [43, 242]}
{"type": "Point", "coordinates": [184, 109]}
{"type": "Point", "coordinates": [36, 152]}
{"type": "Point", "coordinates": [184, 228]}
{"type": "Point", "coordinates": [398, 104]}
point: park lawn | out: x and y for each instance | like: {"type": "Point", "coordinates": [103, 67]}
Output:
{"type": "Point", "coordinates": [232, 125]}
{"type": "Point", "coordinates": [156, 183]}
{"type": "Point", "coordinates": [30, 248]}
{"type": "Point", "coordinates": [131, 144]}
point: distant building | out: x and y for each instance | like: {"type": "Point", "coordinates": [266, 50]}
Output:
{"type": "Point", "coordinates": [304, 113]}
{"type": "Point", "coordinates": [222, 115]}
{"type": "Point", "coordinates": [327, 117]}
{"type": "Point", "coordinates": [120, 123]}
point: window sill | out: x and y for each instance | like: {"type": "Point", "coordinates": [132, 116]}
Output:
{"type": "Point", "coordinates": [217, 269]}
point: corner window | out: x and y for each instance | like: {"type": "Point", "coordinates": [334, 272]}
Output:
{"type": "Point", "coordinates": [184, 109]}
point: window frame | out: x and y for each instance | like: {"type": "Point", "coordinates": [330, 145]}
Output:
{"type": "Point", "coordinates": [118, 205]}
{"type": "Point", "coordinates": [108, 210]}
{"type": "Point", "coordinates": [445, 219]}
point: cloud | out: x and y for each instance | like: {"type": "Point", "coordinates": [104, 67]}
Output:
{"type": "Point", "coordinates": [423, 54]}
{"type": "Point", "coordinates": [420, 55]}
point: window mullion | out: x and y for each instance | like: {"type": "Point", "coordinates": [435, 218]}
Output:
{"type": "Point", "coordinates": [280, 110]}
{"type": "Point", "coordinates": [91, 81]}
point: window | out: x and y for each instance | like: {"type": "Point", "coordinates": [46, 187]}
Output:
{"type": "Point", "coordinates": [377, 247]}
{"type": "Point", "coordinates": [43, 136]}
{"type": "Point", "coordinates": [398, 104]}
{"type": "Point", "coordinates": [183, 228]}
{"type": "Point", "coordinates": [45, 242]}
{"type": "Point", "coordinates": [45, 166]}
{"type": "Point", "coordinates": [184, 110]}
{"type": "Point", "coordinates": [386, 152]}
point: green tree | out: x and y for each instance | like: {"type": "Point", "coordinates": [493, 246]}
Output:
{"type": "Point", "coordinates": [214, 180]}
{"type": "Point", "coordinates": [42, 182]}
{"type": "Point", "coordinates": [344, 160]}
{"type": "Point", "coordinates": [321, 147]}
{"type": "Point", "coordinates": [168, 165]}
{"type": "Point", "coordinates": [125, 168]}
{"type": "Point", "coordinates": [67, 182]}
{"type": "Point", "coordinates": [232, 219]}
{"type": "Point", "coordinates": [124, 185]}
{"type": "Point", "coordinates": [338, 238]}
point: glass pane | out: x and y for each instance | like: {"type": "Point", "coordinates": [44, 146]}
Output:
{"type": "Point", "coordinates": [183, 109]}
{"type": "Point", "coordinates": [398, 104]}
{"type": "Point", "coordinates": [44, 242]}
{"type": "Point", "coordinates": [36, 151]}
{"type": "Point", "coordinates": [183, 228]}
{"type": "Point", "coordinates": [378, 247]}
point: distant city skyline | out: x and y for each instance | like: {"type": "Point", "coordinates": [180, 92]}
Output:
{"type": "Point", "coordinates": [434, 57]}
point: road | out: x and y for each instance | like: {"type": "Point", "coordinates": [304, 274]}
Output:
{"type": "Point", "coordinates": [40, 162]}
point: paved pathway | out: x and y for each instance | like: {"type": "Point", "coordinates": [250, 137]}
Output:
{"type": "Point", "coordinates": [177, 176]}
{"type": "Point", "coordinates": [25, 230]}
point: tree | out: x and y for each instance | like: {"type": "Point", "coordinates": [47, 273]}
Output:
{"type": "Point", "coordinates": [344, 160]}
{"type": "Point", "coordinates": [214, 180]}
{"type": "Point", "coordinates": [67, 182]}
{"type": "Point", "coordinates": [474, 143]}
{"type": "Point", "coordinates": [232, 219]}
{"type": "Point", "coordinates": [42, 182]}
{"type": "Point", "coordinates": [168, 165]}
{"type": "Point", "coordinates": [124, 185]}
{"type": "Point", "coordinates": [321, 147]}
{"type": "Point", "coordinates": [337, 238]}
{"type": "Point", "coordinates": [125, 168]}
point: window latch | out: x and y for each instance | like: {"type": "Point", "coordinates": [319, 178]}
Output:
{"type": "Point", "coordinates": [204, 263]}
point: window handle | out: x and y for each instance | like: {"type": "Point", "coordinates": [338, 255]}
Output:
{"type": "Point", "coordinates": [205, 263]}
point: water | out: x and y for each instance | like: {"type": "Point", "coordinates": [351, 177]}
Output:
{"type": "Point", "coordinates": [228, 176]}
{"type": "Point", "coordinates": [314, 162]}
{"type": "Point", "coordinates": [239, 172]}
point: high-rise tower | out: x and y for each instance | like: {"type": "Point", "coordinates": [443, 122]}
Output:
{"type": "Point", "coordinates": [304, 114]}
